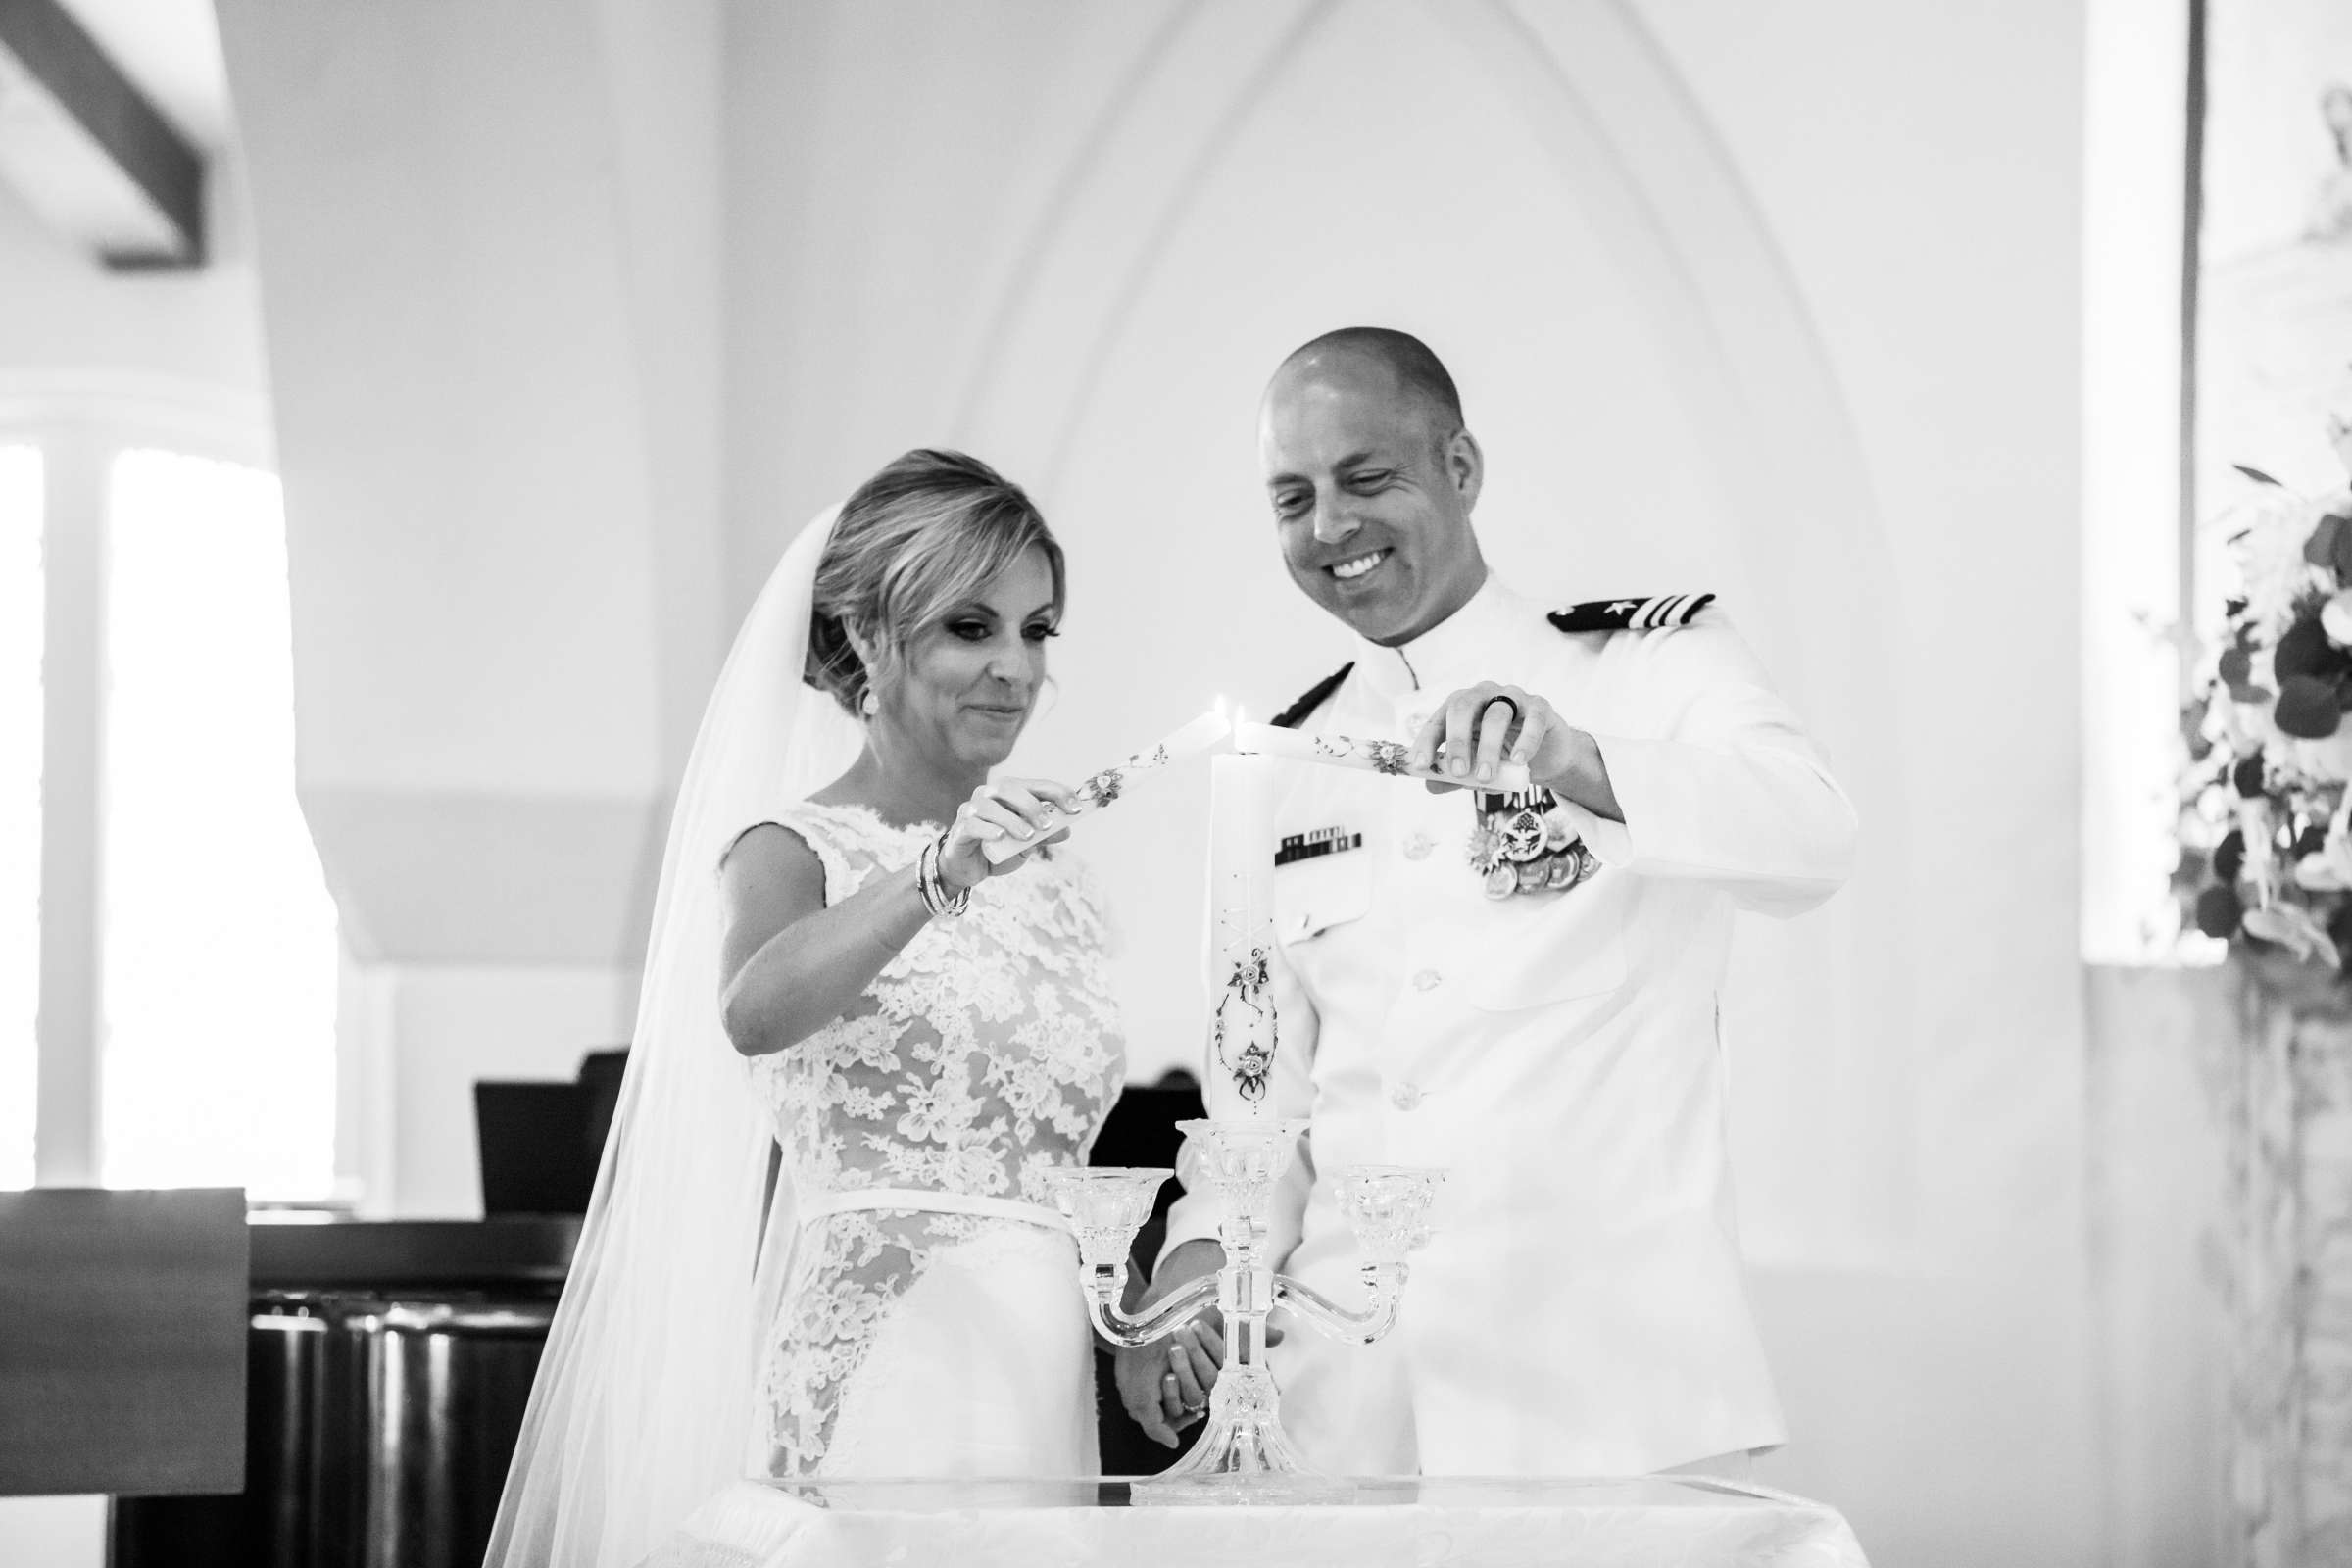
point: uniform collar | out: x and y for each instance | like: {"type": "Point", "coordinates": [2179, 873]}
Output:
{"type": "Point", "coordinates": [1452, 653]}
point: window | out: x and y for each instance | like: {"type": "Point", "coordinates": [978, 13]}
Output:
{"type": "Point", "coordinates": [2134, 539]}
{"type": "Point", "coordinates": [22, 626]}
{"type": "Point", "coordinates": [218, 933]}
{"type": "Point", "coordinates": [192, 1019]}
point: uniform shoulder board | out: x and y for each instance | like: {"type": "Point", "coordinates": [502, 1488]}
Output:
{"type": "Point", "coordinates": [1632, 615]}
{"type": "Point", "coordinates": [1296, 715]}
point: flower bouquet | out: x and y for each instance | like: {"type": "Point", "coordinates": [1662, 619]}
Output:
{"type": "Point", "coordinates": [2266, 818]}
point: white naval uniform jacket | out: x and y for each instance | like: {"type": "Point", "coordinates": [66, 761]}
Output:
{"type": "Point", "coordinates": [1579, 1308]}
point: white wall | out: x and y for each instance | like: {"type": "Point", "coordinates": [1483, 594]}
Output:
{"type": "Point", "coordinates": [2163, 1247]}
{"type": "Point", "coordinates": [447, 1026]}
{"type": "Point", "coordinates": [69, 319]}
{"type": "Point", "coordinates": [491, 272]}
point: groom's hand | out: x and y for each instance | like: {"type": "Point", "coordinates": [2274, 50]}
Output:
{"type": "Point", "coordinates": [1165, 1383]}
{"type": "Point", "coordinates": [1483, 725]}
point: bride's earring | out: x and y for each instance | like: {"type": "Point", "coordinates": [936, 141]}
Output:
{"type": "Point", "coordinates": [869, 704]}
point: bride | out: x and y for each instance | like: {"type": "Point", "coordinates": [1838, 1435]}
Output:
{"type": "Point", "coordinates": [821, 1243]}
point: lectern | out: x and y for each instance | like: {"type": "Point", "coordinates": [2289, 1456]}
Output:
{"type": "Point", "coordinates": [122, 1341]}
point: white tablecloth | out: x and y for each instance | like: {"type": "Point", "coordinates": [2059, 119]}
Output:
{"type": "Point", "coordinates": [1651, 1522]}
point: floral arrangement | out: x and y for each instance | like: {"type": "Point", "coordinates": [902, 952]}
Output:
{"type": "Point", "coordinates": [2265, 816]}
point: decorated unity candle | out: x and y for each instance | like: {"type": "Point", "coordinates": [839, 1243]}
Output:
{"type": "Point", "coordinates": [1372, 756]}
{"type": "Point", "coordinates": [1241, 923]}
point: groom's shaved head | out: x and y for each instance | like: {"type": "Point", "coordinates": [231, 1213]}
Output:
{"type": "Point", "coordinates": [1352, 350]}
{"type": "Point", "coordinates": [1371, 477]}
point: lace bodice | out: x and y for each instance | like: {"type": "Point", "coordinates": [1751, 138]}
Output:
{"type": "Point", "coordinates": [984, 1055]}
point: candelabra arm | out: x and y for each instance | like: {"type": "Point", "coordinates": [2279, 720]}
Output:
{"type": "Point", "coordinates": [1104, 1283]}
{"type": "Point", "coordinates": [1383, 1281]}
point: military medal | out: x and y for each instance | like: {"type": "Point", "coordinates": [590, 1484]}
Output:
{"type": "Point", "coordinates": [1523, 834]}
{"type": "Point", "coordinates": [1521, 842]}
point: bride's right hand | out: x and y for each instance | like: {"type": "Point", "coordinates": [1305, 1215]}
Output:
{"type": "Point", "coordinates": [1024, 809]}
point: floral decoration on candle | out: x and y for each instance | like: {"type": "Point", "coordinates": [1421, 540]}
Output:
{"type": "Point", "coordinates": [1391, 757]}
{"type": "Point", "coordinates": [1250, 1062]}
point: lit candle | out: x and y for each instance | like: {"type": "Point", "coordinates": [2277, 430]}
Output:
{"type": "Point", "coordinates": [1100, 789]}
{"type": "Point", "coordinates": [1240, 923]}
{"type": "Point", "coordinates": [1371, 756]}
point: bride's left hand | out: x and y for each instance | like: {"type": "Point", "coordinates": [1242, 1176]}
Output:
{"type": "Point", "coordinates": [1165, 1385]}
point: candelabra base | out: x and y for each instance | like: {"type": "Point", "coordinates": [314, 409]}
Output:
{"type": "Point", "coordinates": [1243, 1457]}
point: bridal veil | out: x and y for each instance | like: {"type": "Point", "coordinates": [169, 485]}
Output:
{"type": "Point", "coordinates": [644, 1399]}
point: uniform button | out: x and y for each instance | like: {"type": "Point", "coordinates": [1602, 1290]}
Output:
{"type": "Point", "coordinates": [1426, 980]}
{"type": "Point", "coordinates": [1405, 1096]}
{"type": "Point", "coordinates": [1417, 847]}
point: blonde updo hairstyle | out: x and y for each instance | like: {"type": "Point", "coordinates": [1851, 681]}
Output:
{"type": "Point", "coordinates": [919, 538]}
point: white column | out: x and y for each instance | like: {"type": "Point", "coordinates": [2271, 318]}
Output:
{"type": "Point", "coordinates": [66, 1147]}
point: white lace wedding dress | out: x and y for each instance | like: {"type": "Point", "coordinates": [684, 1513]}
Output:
{"type": "Point", "coordinates": [931, 1324]}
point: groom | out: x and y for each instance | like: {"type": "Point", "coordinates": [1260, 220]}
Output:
{"type": "Point", "coordinates": [1543, 1023]}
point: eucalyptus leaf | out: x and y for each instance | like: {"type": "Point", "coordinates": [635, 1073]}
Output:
{"type": "Point", "coordinates": [2306, 708]}
{"type": "Point", "coordinates": [2219, 911]}
{"type": "Point", "coordinates": [2303, 650]}
{"type": "Point", "coordinates": [2319, 548]}
{"type": "Point", "coordinates": [2230, 855]}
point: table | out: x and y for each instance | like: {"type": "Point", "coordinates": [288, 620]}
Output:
{"type": "Point", "coordinates": [1411, 1522]}
{"type": "Point", "coordinates": [384, 1370]}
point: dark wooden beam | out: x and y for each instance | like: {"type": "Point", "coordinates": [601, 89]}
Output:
{"type": "Point", "coordinates": [57, 52]}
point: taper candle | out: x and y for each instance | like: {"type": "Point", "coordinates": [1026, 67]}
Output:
{"type": "Point", "coordinates": [1372, 756]}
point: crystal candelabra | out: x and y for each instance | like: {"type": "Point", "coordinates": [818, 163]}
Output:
{"type": "Point", "coordinates": [1244, 1455]}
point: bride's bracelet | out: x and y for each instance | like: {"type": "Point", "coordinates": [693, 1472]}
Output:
{"type": "Point", "coordinates": [933, 891]}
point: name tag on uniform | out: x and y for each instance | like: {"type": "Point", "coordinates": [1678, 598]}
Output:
{"type": "Point", "coordinates": [1322, 883]}
{"type": "Point", "coordinates": [1313, 846]}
